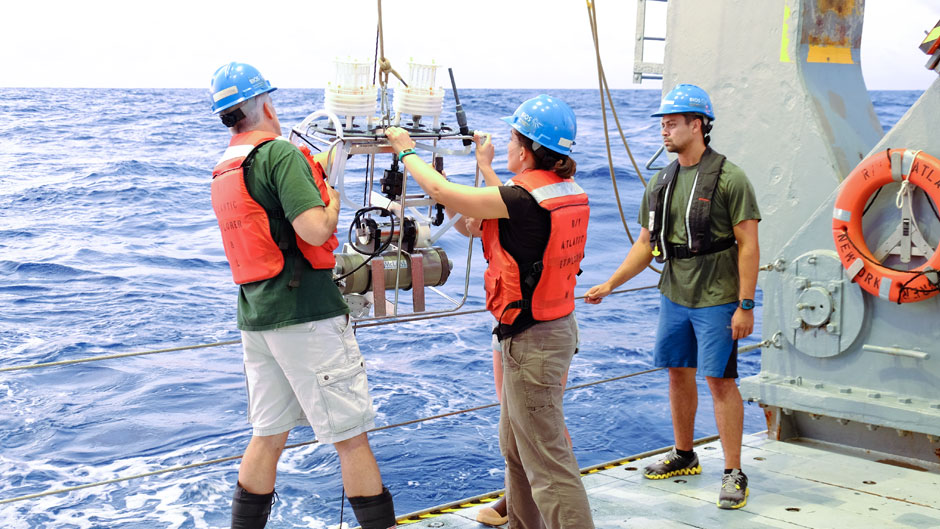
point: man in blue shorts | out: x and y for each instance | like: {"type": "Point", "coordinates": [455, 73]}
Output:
{"type": "Point", "coordinates": [699, 217]}
{"type": "Point", "coordinates": [303, 367]}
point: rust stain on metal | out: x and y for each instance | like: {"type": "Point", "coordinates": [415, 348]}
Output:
{"type": "Point", "coordinates": [833, 23]}
{"type": "Point", "coordinates": [774, 427]}
{"type": "Point", "coordinates": [902, 464]}
{"type": "Point", "coordinates": [843, 8]}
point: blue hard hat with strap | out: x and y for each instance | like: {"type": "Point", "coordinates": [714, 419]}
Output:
{"type": "Point", "coordinates": [686, 99]}
{"type": "Point", "coordinates": [236, 82]}
{"type": "Point", "coordinates": [547, 121]}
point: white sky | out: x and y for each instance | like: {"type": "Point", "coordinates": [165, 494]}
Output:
{"type": "Point", "coordinates": [489, 43]}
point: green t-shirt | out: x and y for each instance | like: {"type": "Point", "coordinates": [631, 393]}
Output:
{"type": "Point", "coordinates": [705, 280]}
{"type": "Point", "coordinates": [280, 180]}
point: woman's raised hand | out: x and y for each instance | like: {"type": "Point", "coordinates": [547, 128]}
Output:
{"type": "Point", "coordinates": [399, 139]}
{"type": "Point", "coordinates": [484, 152]}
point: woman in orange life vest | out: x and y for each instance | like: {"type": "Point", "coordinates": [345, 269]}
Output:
{"type": "Point", "coordinates": [495, 514]}
{"type": "Point", "coordinates": [534, 230]}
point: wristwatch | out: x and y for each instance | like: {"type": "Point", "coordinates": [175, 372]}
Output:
{"type": "Point", "coordinates": [746, 304]}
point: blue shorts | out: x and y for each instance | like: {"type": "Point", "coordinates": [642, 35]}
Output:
{"type": "Point", "coordinates": [688, 337]}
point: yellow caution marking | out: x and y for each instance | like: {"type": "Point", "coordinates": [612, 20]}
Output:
{"type": "Point", "coordinates": [785, 35]}
{"type": "Point", "coordinates": [829, 54]}
{"type": "Point", "coordinates": [933, 35]}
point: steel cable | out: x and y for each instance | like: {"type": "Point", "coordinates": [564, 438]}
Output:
{"type": "Point", "coordinates": [179, 468]}
{"type": "Point", "coordinates": [232, 342]}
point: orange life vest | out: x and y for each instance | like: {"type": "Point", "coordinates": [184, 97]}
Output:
{"type": "Point", "coordinates": [553, 296]}
{"type": "Point", "coordinates": [252, 252]}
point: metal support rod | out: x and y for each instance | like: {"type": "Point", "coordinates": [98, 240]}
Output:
{"type": "Point", "coordinates": [896, 351]}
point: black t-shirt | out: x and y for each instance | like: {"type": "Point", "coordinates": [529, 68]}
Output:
{"type": "Point", "coordinates": [524, 235]}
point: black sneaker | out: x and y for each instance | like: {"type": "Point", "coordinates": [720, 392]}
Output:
{"type": "Point", "coordinates": [734, 490]}
{"type": "Point", "coordinates": [673, 465]}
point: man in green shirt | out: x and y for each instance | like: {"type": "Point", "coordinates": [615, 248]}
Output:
{"type": "Point", "coordinates": [699, 216]}
{"type": "Point", "coordinates": [302, 363]}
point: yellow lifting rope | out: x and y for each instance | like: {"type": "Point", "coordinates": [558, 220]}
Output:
{"type": "Point", "coordinates": [385, 67]}
{"type": "Point", "coordinates": [603, 88]}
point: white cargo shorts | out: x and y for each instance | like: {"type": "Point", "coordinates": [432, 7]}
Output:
{"type": "Point", "coordinates": [308, 374]}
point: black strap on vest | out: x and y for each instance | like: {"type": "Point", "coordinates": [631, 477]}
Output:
{"type": "Point", "coordinates": [530, 281]}
{"type": "Point", "coordinates": [699, 212]}
{"type": "Point", "coordinates": [287, 242]}
{"type": "Point", "coordinates": [681, 251]}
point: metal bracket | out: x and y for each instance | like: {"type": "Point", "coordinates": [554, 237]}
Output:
{"type": "Point", "coordinates": [906, 240]}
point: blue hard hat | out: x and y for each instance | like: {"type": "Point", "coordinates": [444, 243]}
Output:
{"type": "Point", "coordinates": [546, 120]}
{"type": "Point", "coordinates": [686, 99]}
{"type": "Point", "coordinates": [236, 82]}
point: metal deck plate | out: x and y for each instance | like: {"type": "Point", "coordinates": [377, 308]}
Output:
{"type": "Point", "coordinates": [792, 485]}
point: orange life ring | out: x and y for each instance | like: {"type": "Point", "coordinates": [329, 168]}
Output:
{"type": "Point", "coordinates": [893, 165]}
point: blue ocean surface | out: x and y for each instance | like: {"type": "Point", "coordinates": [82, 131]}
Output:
{"type": "Point", "coordinates": [108, 245]}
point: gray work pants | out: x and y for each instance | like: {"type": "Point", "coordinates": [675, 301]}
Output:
{"type": "Point", "coordinates": [543, 482]}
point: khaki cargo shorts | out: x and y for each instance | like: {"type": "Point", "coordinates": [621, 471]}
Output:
{"type": "Point", "coordinates": [307, 374]}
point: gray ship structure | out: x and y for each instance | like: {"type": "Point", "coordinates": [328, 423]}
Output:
{"type": "Point", "coordinates": [849, 379]}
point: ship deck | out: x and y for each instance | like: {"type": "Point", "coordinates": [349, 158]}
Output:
{"type": "Point", "coordinates": [793, 484]}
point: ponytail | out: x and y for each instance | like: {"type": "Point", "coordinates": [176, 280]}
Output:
{"type": "Point", "coordinates": [547, 159]}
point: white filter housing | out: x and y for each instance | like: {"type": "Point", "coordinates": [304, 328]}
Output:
{"type": "Point", "coordinates": [421, 97]}
{"type": "Point", "coordinates": [351, 93]}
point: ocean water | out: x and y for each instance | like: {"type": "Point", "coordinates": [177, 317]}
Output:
{"type": "Point", "coordinates": [108, 245]}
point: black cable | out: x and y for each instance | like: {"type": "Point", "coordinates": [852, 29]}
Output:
{"type": "Point", "coordinates": [375, 62]}
{"type": "Point", "coordinates": [871, 202]}
{"type": "Point", "coordinates": [916, 273]}
{"type": "Point", "coordinates": [357, 223]}
{"type": "Point", "coordinates": [932, 206]}
{"type": "Point", "coordinates": [302, 138]}
{"type": "Point", "coordinates": [342, 505]}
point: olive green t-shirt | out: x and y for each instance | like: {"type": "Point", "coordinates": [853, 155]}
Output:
{"type": "Point", "coordinates": [712, 279]}
{"type": "Point", "coordinates": [280, 180]}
